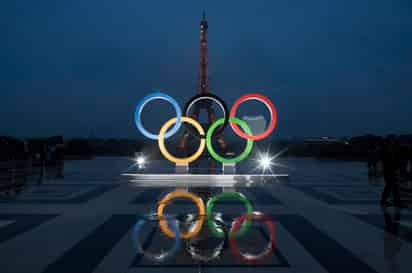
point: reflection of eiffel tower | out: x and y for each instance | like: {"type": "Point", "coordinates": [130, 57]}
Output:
{"type": "Point", "coordinates": [203, 88]}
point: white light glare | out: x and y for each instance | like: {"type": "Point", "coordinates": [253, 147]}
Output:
{"type": "Point", "coordinates": [140, 160]}
{"type": "Point", "coordinates": [265, 162]}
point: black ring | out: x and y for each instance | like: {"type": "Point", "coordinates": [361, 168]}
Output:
{"type": "Point", "coordinates": [211, 97]}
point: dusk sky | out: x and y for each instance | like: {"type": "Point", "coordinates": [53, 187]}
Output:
{"type": "Point", "coordinates": [78, 67]}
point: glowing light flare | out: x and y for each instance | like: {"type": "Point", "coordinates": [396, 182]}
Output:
{"type": "Point", "coordinates": [140, 160]}
{"type": "Point", "coordinates": [265, 162]}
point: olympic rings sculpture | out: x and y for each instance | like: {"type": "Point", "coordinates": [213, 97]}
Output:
{"type": "Point", "coordinates": [213, 98]}
{"type": "Point", "coordinates": [146, 100]}
{"type": "Point", "coordinates": [171, 228]}
{"type": "Point", "coordinates": [173, 125]}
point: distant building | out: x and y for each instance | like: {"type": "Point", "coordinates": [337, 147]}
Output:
{"type": "Point", "coordinates": [324, 140]}
{"type": "Point", "coordinates": [256, 123]}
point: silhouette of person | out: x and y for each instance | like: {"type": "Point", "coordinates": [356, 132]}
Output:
{"type": "Point", "coordinates": [43, 158]}
{"type": "Point", "coordinates": [391, 242]}
{"type": "Point", "coordinates": [403, 160]}
{"type": "Point", "coordinates": [390, 172]}
{"type": "Point", "coordinates": [59, 157]}
{"type": "Point", "coordinates": [373, 157]}
{"type": "Point", "coordinates": [409, 169]}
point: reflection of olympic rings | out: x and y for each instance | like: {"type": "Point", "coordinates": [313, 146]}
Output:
{"type": "Point", "coordinates": [228, 195]}
{"type": "Point", "coordinates": [173, 223]}
{"type": "Point", "coordinates": [219, 230]}
{"type": "Point", "coordinates": [194, 245]}
{"type": "Point", "coordinates": [187, 195]}
{"type": "Point", "coordinates": [215, 155]}
{"type": "Point", "coordinates": [214, 228]}
{"type": "Point", "coordinates": [237, 225]}
{"type": "Point", "coordinates": [267, 103]}
{"type": "Point", "coordinates": [213, 98]}
{"type": "Point", "coordinates": [147, 99]}
{"type": "Point", "coordinates": [172, 158]}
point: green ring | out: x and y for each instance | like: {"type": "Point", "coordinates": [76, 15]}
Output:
{"type": "Point", "coordinates": [220, 158]}
{"type": "Point", "coordinates": [214, 228]}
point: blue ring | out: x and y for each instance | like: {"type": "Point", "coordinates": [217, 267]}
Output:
{"type": "Point", "coordinates": [172, 223]}
{"type": "Point", "coordinates": [153, 96]}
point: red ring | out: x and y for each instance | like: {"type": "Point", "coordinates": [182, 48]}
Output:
{"type": "Point", "coordinates": [269, 105]}
{"type": "Point", "coordinates": [236, 226]}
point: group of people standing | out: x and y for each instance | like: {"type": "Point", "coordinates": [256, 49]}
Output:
{"type": "Point", "coordinates": [29, 156]}
{"type": "Point", "coordinates": [396, 166]}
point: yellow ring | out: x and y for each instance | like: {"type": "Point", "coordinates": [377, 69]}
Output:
{"type": "Point", "coordinates": [181, 194]}
{"type": "Point", "coordinates": [172, 158]}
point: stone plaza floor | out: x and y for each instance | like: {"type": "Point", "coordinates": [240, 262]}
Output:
{"type": "Point", "coordinates": [327, 218]}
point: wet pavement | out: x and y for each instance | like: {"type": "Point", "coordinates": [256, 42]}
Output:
{"type": "Point", "coordinates": [326, 216]}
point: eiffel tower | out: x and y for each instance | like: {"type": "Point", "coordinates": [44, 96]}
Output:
{"type": "Point", "coordinates": [203, 88]}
